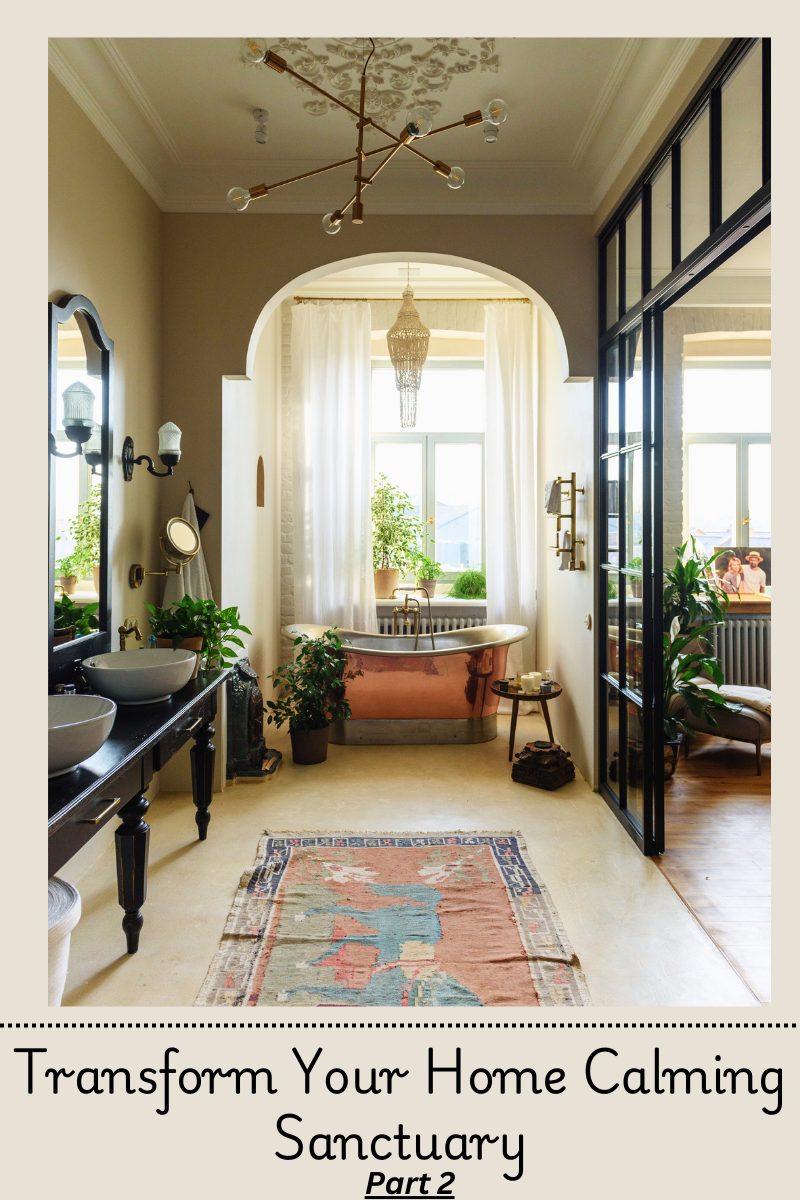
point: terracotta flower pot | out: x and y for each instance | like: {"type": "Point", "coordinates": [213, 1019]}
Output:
{"type": "Point", "coordinates": [386, 582]}
{"type": "Point", "coordinates": [309, 745]}
{"type": "Point", "coordinates": [64, 635]}
{"type": "Point", "coordinates": [195, 643]}
{"type": "Point", "coordinates": [429, 585]}
{"type": "Point", "coordinates": [69, 583]}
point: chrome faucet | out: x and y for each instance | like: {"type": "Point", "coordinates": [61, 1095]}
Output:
{"type": "Point", "coordinates": [131, 626]}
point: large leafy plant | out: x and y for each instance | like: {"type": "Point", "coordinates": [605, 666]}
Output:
{"type": "Point", "coordinates": [684, 662]}
{"type": "Point", "coordinates": [691, 593]}
{"type": "Point", "coordinates": [191, 618]}
{"type": "Point", "coordinates": [67, 613]}
{"type": "Point", "coordinates": [84, 529]}
{"type": "Point", "coordinates": [312, 686]}
{"type": "Point", "coordinates": [396, 532]}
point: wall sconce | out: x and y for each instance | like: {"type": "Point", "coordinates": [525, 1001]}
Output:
{"type": "Point", "coordinates": [169, 451]}
{"type": "Point", "coordinates": [93, 450]}
{"type": "Point", "coordinates": [78, 422]}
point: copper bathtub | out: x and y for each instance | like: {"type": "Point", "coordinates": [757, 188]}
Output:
{"type": "Point", "coordinates": [423, 696]}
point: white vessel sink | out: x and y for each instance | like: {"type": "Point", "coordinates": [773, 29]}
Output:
{"type": "Point", "coordinates": [77, 726]}
{"type": "Point", "coordinates": [139, 676]}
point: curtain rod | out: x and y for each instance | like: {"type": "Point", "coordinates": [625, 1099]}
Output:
{"type": "Point", "coordinates": [438, 299]}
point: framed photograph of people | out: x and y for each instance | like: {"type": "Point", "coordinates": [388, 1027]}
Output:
{"type": "Point", "coordinates": [744, 570]}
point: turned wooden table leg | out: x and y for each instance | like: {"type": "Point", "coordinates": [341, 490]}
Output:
{"type": "Point", "coordinates": [202, 755]}
{"type": "Point", "coordinates": [132, 843]}
{"type": "Point", "coordinates": [514, 711]}
{"type": "Point", "coordinates": [543, 703]}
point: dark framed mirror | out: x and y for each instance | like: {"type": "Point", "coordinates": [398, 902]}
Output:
{"type": "Point", "coordinates": [80, 442]}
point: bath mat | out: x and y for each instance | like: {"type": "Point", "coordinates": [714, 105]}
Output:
{"type": "Point", "coordinates": [393, 920]}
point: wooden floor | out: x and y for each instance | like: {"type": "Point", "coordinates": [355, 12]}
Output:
{"type": "Point", "coordinates": [717, 813]}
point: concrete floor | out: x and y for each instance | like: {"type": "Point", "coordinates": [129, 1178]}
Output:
{"type": "Point", "coordinates": [637, 942]}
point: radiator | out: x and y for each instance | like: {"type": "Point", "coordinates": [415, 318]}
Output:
{"type": "Point", "coordinates": [440, 624]}
{"type": "Point", "coordinates": [743, 646]}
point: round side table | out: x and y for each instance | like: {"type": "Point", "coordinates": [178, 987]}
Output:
{"type": "Point", "coordinates": [515, 694]}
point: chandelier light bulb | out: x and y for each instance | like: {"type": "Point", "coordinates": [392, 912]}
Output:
{"type": "Point", "coordinates": [330, 225]}
{"type": "Point", "coordinates": [489, 132]}
{"type": "Point", "coordinates": [254, 49]}
{"type": "Point", "coordinates": [456, 178]}
{"type": "Point", "coordinates": [238, 198]}
{"type": "Point", "coordinates": [419, 121]}
{"type": "Point", "coordinates": [261, 135]}
{"type": "Point", "coordinates": [495, 111]}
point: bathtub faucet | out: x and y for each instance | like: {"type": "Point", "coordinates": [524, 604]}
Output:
{"type": "Point", "coordinates": [406, 613]}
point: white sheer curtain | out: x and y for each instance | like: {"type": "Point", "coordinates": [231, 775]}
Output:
{"type": "Point", "coordinates": [511, 492]}
{"type": "Point", "coordinates": [333, 579]}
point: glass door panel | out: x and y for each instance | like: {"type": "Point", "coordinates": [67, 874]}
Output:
{"type": "Point", "coordinates": [612, 399]}
{"type": "Point", "coordinates": [634, 649]}
{"type": "Point", "coordinates": [612, 530]}
{"type": "Point", "coordinates": [612, 664]}
{"type": "Point", "coordinates": [458, 495]}
{"type": "Point", "coordinates": [612, 715]}
{"type": "Point", "coordinates": [633, 509]}
{"type": "Point", "coordinates": [633, 257]}
{"type": "Point", "coordinates": [661, 224]}
{"type": "Point", "coordinates": [741, 133]}
{"type": "Point", "coordinates": [759, 502]}
{"type": "Point", "coordinates": [711, 494]}
{"type": "Point", "coordinates": [612, 282]}
{"type": "Point", "coordinates": [695, 213]}
{"type": "Point", "coordinates": [634, 792]}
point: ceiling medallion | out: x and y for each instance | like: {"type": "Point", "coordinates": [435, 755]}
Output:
{"type": "Point", "coordinates": [406, 71]}
{"type": "Point", "coordinates": [419, 124]}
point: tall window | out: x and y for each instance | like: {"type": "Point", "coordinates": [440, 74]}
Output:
{"type": "Point", "coordinates": [440, 462]}
{"type": "Point", "coordinates": [727, 451]}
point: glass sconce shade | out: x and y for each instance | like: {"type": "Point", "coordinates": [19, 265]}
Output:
{"type": "Point", "coordinates": [238, 198]}
{"type": "Point", "coordinates": [261, 135]}
{"type": "Point", "coordinates": [456, 178]}
{"type": "Point", "coordinates": [169, 443]}
{"type": "Point", "coordinates": [331, 223]}
{"type": "Point", "coordinates": [254, 49]}
{"type": "Point", "coordinates": [489, 132]}
{"type": "Point", "coordinates": [419, 121]}
{"type": "Point", "coordinates": [95, 442]}
{"type": "Point", "coordinates": [495, 111]}
{"type": "Point", "coordinates": [78, 405]}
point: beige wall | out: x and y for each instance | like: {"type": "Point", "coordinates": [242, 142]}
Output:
{"type": "Point", "coordinates": [564, 598]}
{"type": "Point", "coordinates": [105, 243]}
{"type": "Point", "coordinates": [221, 269]}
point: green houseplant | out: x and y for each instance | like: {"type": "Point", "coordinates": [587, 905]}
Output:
{"type": "Point", "coordinates": [198, 625]}
{"type": "Point", "coordinates": [469, 585]}
{"type": "Point", "coordinates": [693, 606]}
{"type": "Point", "coordinates": [396, 536]}
{"type": "Point", "coordinates": [67, 574]}
{"type": "Point", "coordinates": [428, 571]}
{"type": "Point", "coordinates": [71, 620]}
{"type": "Point", "coordinates": [312, 694]}
{"type": "Point", "coordinates": [84, 529]}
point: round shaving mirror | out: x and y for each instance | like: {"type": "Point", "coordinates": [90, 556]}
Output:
{"type": "Point", "coordinates": [179, 540]}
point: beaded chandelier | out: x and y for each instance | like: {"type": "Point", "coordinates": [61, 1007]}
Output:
{"type": "Point", "coordinates": [419, 124]}
{"type": "Point", "coordinates": [408, 348]}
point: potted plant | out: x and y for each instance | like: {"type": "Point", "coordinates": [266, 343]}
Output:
{"type": "Point", "coordinates": [71, 620]}
{"type": "Point", "coordinates": [469, 585]}
{"type": "Point", "coordinates": [66, 574]}
{"type": "Point", "coordinates": [428, 572]}
{"type": "Point", "coordinates": [84, 529]}
{"type": "Point", "coordinates": [198, 625]}
{"type": "Point", "coordinates": [396, 536]}
{"type": "Point", "coordinates": [693, 606]}
{"type": "Point", "coordinates": [312, 695]}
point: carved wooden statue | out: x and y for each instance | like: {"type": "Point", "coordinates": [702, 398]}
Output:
{"type": "Point", "coordinates": [247, 751]}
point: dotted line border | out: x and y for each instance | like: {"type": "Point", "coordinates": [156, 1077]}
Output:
{"type": "Point", "coordinates": [397, 1025]}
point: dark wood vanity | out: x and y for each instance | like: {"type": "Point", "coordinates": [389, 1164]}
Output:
{"type": "Point", "coordinates": [112, 784]}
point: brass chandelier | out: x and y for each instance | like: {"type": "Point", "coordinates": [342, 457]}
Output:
{"type": "Point", "coordinates": [419, 124]}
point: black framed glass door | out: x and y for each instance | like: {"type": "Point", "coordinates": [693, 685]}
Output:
{"type": "Point", "coordinates": [704, 195]}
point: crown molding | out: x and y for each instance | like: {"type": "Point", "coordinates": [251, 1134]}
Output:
{"type": "Point", "coordinates": [619, 70]}
{"type": "Point", "coordinates": [129, 81]}
{"type": "Point", "coordinates": [104, 125]}
{"type": "Point", "coordinates": [666, 82]}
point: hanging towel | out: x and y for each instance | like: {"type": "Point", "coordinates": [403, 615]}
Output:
{"type": "Point", "coordinates": [565, 557]}
{"type": "Point", "coordinates": [552, 497]}
{"type": "Point", "coordinates": [193, 580]}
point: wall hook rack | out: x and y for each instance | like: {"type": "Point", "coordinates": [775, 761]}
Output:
{"type": "Point", "coordinates": [568, 490]}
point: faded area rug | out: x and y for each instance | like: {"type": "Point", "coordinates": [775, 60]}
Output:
{"type": "Point", "coordinates": [407, 920]}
